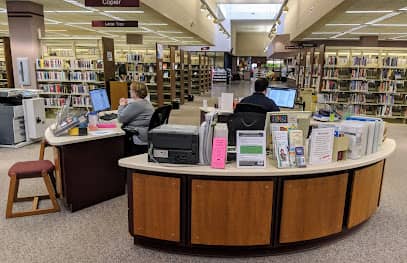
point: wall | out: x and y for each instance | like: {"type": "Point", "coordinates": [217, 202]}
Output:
{"type": "Point", "coordinates": [187, 14]}
{"type": "Point", "coordinates": [222, 44]}
{"type": "Point", "coordinates": [302, 14]}
{"type": "Point", "coordinates": [251, 44]}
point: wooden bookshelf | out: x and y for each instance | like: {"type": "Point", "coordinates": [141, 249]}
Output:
{"type": "Point", "coordinates": [65, 71]}
{"type": "Point", "coordinates": [366, 81]}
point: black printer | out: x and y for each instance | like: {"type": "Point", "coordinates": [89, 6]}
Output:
{"type": "Point", "coordinates": [177, 144]}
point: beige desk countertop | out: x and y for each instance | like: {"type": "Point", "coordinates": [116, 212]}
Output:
{"type": "Point", "coordinates": [140, 162]}
{"type": "Point", "coordinates": [92, 135]}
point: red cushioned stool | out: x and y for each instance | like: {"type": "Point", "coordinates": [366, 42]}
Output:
{"type": "Point", "coordinates": [31, 169]}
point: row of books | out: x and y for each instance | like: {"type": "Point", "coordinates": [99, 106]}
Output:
{"type": "Point", "coordinates": [69, 76]}
{"type": "Point", "coordinates": [58, 63]}
{"type": "Point", "coordinates": [74, 88]}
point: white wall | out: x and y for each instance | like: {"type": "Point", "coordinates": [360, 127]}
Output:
{"type": "Point", "coordinates": [222, 44]}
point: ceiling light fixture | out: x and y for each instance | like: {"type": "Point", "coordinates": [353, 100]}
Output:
{"type": "Point", "coordinates": [390, 25]}
{"type": "Point", "coordinates": [153, 24]}
{"type": "Point", "coordinates": [342, 24]}
{"type": "Point", "coordinates": [348, 31]}
{"type": "Point", "coordinates": [68, 11]}
{"type": "Point", "coordinates": [170, 32]}
{"type": "Point", "coordinates": [111, 16]}
{"type": "Point", "coordinates": [51, 21]}
{"type": "Point", "coordinates": [125, 11]}
{"type": "Point", "coordinates": [324, 33]}
{"type": "Point", "coordinates": [368, 11]}
{"type": "Point", "coordinates": [374, 21]}
{"type": "Point", "coordinates": [203, 7]}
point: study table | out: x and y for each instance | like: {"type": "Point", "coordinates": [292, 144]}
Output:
{"type": "Point", "coordinates": [232, 211]}
{"type": "Point", "coordinates": [86, 166]}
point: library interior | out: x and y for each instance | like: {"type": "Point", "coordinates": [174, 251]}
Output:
{"type": "Point", "coordinates": [203, 131]}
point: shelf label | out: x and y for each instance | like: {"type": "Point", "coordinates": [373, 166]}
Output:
{"type": "Point", "coordinates": [113, 3]}
{"type": "Point", "coordinates": [102, 23]}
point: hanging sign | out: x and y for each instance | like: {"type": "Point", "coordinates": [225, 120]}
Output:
{"type": "Point", "coordinates": [113, 3]}
{"type": "Point", "coordinates": [102, 23]}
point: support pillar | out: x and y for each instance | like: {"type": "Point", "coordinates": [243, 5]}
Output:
{"type": "Point", "coordinates": [26, 25]}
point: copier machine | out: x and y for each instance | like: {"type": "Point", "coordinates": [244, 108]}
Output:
{"type": "Point", "coordinates": [22, 117]}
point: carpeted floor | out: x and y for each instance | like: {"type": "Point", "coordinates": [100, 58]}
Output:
{"type": "Point", "coordinates": [100, 233]}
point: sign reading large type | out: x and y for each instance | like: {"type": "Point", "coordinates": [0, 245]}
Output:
{"type": "Point", "coordinates": [102, 23]}
{"type": "Point", "coordinates": [112, 3]}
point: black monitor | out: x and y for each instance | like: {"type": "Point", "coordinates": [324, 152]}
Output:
{"type": "Point", "coordinates": [283, 97]}
{"type": "Point", "coordinates": [100, 101]}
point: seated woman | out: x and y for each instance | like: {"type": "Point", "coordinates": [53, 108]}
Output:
{"type": "Point", "coordinates": [135, 114]}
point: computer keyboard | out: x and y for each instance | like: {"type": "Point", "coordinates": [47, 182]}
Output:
{"type": "Point", "coordinates": [109, 117]}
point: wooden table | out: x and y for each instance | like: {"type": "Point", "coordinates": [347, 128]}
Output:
{"type": "Point", "coordinates": [196, 209]}
{"type": "Point", "coordinates": [87, 169]}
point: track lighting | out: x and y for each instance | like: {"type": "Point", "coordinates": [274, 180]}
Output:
{"type": "Point", "coordinates": [285, 9]}
{"type": "Point", "coordinates": [203, 8]}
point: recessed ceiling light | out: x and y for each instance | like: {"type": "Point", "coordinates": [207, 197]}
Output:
{"type": "Point", "coordinates": [374, 21]}
{"type": "Point", "coordinates": [68, 11]}
{"type": "Point", "coordinates": [170, 32]}
{"type": "Point", "coordinates": [324, 33]}
{"type": "Point", "coordinates": [55, 30]}
{"type": "Point", "coordinates": [79, 23]}
{"type": "Point", "coordinates": [348, 31]}
{"type": "Point", "coordinates": [390, 25]}
{"type": "Point", "coordinates": [153, 24]}
{"type": "Point", "coordinates": [184, 37]}
{"type": "Point", "coordinates": [342, 24]}
{"type": "Point", "coordinates": [380, 33]}
{"type": "Point", "coordinates": [125, 11]}
{"type": "Point", "coordinates": [51, 21]}
{"type": "Point", "coordinates": [313, 38]}
{"type": "Point", "coordinates": [368, 11]}
{"type": "Point", "coordinates": [111, 16]}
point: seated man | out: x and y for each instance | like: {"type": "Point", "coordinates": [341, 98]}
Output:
{"type": "Point", "coordinates": [259, 96]}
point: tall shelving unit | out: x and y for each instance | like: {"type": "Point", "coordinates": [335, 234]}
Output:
{"type": "Point", "coordinates": [366, 81]}
{"type": "Point", "coordinates": [69, 70]}
{"type": "Point", "coordinates": [195, 72]}
{"type": "Point", "coordinates": [6, 65]}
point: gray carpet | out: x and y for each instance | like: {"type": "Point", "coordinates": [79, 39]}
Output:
{"type": "Point", "coordinates": [100, 234]}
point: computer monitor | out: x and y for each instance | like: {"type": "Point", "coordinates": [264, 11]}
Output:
{"type": "Point", "coordinates": [100, 101]}
{"type": "Point", "coordinates": [283, 97]}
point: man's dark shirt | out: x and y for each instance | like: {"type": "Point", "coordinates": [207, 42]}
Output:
{"type": "Point", "coordinates": [258, 98]}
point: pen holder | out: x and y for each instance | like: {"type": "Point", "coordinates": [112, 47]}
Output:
{"type": "Point", "coordinates": [341, 146]}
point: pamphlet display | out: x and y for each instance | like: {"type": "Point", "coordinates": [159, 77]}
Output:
{"type": "Point", "coordinates": [251, 149]}
{"type": "Point", "coordinates": [321, 148]}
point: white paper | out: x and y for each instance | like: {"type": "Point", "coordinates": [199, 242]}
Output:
{"type": "Point", "coordinates": [227, 102]}
{"type": "Point", "coordinates": [322, 141]}
{"type": "Point", "coordinates": [251, 149]}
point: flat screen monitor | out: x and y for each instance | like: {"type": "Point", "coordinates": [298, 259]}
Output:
{"type": "Point", "coordinates": [100, 101]}
{"type": "Point", "coordinates": [284, 98]}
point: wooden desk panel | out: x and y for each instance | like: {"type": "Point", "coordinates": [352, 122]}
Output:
{"type": "Point", "coordinates": [231, 213]}
{"type": "Point", "coordinates": [156, 207]}
{"type": "Point", "coordinates": [365, 193]}
{"type": "Point", "coordinates": [312, 208]}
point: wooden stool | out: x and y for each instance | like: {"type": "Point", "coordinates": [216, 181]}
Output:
{"type": "Point", "coordinates": [31, 169]}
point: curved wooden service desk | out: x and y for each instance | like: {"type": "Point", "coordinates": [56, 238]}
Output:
{"type": "Point", "coordinates": [199, 210]}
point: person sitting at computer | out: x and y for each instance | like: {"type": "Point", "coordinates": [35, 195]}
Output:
{"type": "Point", "coordinates": [135, 114]}
{"type": "Point", "coordinates": [259, 97]}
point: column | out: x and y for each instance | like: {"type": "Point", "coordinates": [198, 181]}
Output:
{"type": "Point", "coordinates": [26, 25]}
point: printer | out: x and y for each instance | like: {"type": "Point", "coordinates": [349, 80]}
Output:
{"type": "Point", "coordinates": [177, 144]}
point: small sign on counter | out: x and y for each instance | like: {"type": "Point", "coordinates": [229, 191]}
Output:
{"type": "Point", "coordinates": [251, 149]}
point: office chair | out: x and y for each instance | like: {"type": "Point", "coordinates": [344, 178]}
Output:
{"type": "Point", "coordinates": [245, 117]}
{"type": "Point", "coordinates": [160, 116]}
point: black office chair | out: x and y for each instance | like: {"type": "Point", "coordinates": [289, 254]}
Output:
{"type": "Point", "coordinates": [160, 116]}
{"type": "Point", "coordinates": [245, 117]}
